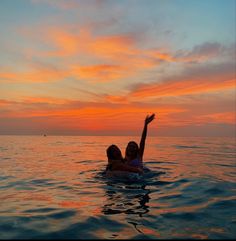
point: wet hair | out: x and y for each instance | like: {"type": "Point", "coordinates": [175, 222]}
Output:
{"type": "Point", "coordinates": [132, 143]}
{"type": "Point", "coordinates": [110, 151]}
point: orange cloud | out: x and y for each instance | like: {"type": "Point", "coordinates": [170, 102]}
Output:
{"type": "Point", "coordinates": [68, 43]}
{"type": "Point", "coordinates": [86, 116]}
{"type": "Point", "coordinates": [184, 87]}
{"type": "Point", "coordinates": [102, 72]}
{"type": "Point", "coordinates": [4, 103]}
{"type": "Point", "coordinates": [36, 73]}
{"type": "Point", "coordinates": [194, 80]}
{"type": "Point", "coordinates": [110, 46]}
{"type": "Point", "coordinates": [116, 99]}
{"type": "Point", "coordinates": [160, 55]}
{"type": "Point", "coordinates": [66, 116]}
{"type": "Point", "coordinates": [116, 56]}
{"type": "Point", "coordinates": [44, 100]}
{"type": "Point", "coordinates": [115, 48]}
{"type": "Point", "coordinates": [120, 47]}
{"type": "Point", "coordinates": [8, 75]}
{"type": "Point", "coordinates": [64, 43]}
{"type": "Point", "coordinates": [225, 117]}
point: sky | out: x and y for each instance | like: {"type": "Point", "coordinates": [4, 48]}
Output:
{"type": "Point", "coordinates": [98, 67]}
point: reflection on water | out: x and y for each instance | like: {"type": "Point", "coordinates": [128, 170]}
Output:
{"type": "Point", "coordinates": [54, 187]}
{"type": "Point", "coordinates": [128, 201]}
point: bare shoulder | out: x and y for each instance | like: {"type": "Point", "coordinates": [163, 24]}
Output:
{"type": "Point", "coordinates": [116, 164]}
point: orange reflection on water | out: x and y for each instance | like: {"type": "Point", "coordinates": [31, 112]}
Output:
{"type": "Point", "coordinates": [37, 197]}
{"type": "Point", "coordinates": [199, 236]}
{"type": "Point", "coordinates": [85, 205]}
{"type": "Point", "coordinates": [150, 231]}
{"type": "Point", "coordinates": [73, 204]}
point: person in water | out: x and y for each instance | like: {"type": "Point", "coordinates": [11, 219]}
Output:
{"type": "Point", "coordinates": [117, 163]}
{"type": "Point", "coordinates": [133, 161]}
{"type": "Point", "coordinates": [133, 152]}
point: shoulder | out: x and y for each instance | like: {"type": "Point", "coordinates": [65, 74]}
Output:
{"type": "Point", "coordinates": [137, 160]}
{"type": "Point", "coordinates": [116, 161]}
{"type": "Point", "coordinates": [115, 164]}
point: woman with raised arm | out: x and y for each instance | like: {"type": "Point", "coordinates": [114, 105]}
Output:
{"type": "Point", "coordinates": [116, 161]}
{"type": "Point", "coordinates": [133, 152]}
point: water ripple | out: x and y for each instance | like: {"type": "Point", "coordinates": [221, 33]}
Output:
{"type": "Point", "coordinates": [55, 188]}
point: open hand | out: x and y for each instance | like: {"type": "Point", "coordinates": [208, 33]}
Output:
{"type": "Point", "coordinates": [149, 118]}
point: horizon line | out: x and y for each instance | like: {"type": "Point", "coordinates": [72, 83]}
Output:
{"type": "Point", "coordinates": [190, 136]}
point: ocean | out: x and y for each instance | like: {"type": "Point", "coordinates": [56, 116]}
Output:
{"type": "Point", "coordinates": [54, 187]}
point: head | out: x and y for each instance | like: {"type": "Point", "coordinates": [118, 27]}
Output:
{"type": "Point", "coordinates": [132, 150]}
{"type": "Point", "coordinates": [114, 153]}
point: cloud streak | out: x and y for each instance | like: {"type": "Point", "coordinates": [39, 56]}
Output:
{"type": "Point", "coordinates": [202, 52]}
{"type": "Point", "coordinates": [195, 80]}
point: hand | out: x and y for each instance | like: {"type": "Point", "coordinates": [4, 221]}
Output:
{"type": "Point", "coordinates": [149, 118]}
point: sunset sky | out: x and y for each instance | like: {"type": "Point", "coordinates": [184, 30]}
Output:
{"type": "Point", "coordinates": [98, 67]}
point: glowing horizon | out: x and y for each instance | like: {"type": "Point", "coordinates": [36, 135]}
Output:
{"type": "Point", "coordinates": [98, 67]}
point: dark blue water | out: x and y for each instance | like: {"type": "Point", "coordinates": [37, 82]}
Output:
{"type": "Point", "coordinates": [54, 188]}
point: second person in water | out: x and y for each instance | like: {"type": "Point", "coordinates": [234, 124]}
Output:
{"type": "Point", "coordinates": [133, 161]}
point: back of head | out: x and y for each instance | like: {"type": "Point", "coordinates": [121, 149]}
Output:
{"type": "Point", "coordinates": [113, 153]}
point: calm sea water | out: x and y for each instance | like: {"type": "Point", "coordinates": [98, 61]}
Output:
{"type": "Point", "coordinates": [53, 187]}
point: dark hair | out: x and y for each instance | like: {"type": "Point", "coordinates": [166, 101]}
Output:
{"type": "Point", "coordinates": [133, 143]}
{"type": "Point", "coordinates": [110, 151]}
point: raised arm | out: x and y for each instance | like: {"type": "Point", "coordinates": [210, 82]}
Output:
{"type": "Point", "coordinates": [144, 134]}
